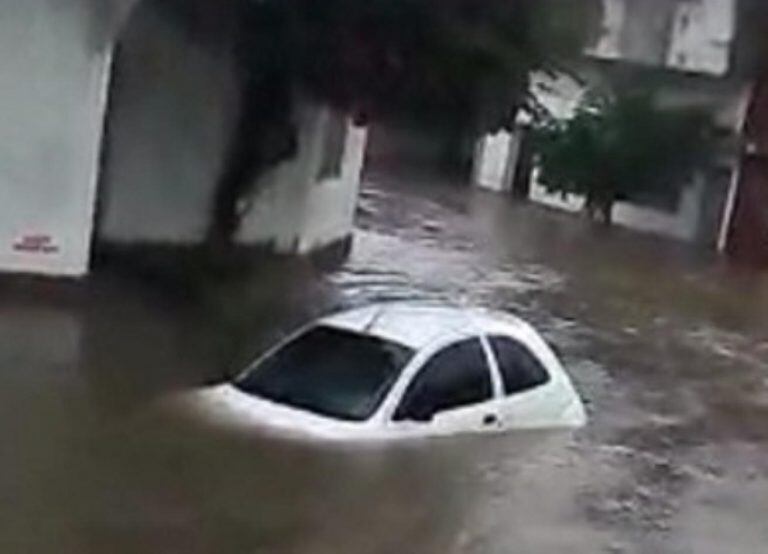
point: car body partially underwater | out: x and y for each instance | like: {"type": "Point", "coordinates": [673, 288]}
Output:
{"type": "Point", "coordinates": [400, 370]}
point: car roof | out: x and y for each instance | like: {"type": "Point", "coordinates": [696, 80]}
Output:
{"type": "Point", "coordinates": [416, 324]}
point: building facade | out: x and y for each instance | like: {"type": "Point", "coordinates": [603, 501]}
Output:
{"type": "Point", "coordinates": [116, 125]}
{"type": "Point", "coordinates": [685, 48]}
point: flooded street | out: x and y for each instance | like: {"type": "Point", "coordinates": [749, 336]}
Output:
{"type": "Point", "coordinates": [668, 348]}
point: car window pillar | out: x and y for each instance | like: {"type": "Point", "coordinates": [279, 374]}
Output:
{"type": "Point", "coordinates": [492, 365]}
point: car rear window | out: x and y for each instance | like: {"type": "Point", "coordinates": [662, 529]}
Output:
{"type": "Point", "coordinates": [329, 371]}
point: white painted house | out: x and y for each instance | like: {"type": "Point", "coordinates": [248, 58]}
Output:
{"type": "Point", "coordinates": [690, 43]}
{"type": "Point", "coordinates": [114, 124]}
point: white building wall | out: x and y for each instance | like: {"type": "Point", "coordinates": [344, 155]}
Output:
{"type": "Point", "coordinates": [609, 43]}
{"type": "Point", "coordinates": [172, 109]}
{"type": "Point", "coordinates": [275, 214]}
{"type": "Point", "coordinates": [688, 35]}
{"type": "Point", "coordinates": [293, 211]}
{"type": "Point", "coordinates": [330, 208]}
{"type": "Point", "coordinates": [702, 33]}
{"type": "Point", "coordinates": [53, 79]}
{"type": "Point", "coordinates": [495, 161]}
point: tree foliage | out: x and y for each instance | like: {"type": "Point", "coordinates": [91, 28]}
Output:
{"type": "Point", "coordinates": [431, 61]}
{"type": "Point", "coordinates": [615, 148]}
{"type": "Point", "coordinates": [449, 64]}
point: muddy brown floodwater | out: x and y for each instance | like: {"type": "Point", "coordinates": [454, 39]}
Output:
{"type": "Point", "coordinates": [669, 349]}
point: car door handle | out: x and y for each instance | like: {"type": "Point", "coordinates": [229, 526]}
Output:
{"type": "Point", "coordinates": [490, 419]}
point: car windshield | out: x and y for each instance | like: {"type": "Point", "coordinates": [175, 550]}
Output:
{"type": "Point", "coordinates": [329, 371]}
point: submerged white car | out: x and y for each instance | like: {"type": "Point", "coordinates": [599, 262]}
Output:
{"type": "Point", "coordinates": [400, 370]}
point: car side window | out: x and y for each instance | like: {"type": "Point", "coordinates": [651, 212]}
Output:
{"type": "Point", "coordinates": [456, 376]}
{"type": "Point", "coordinates": [520, 369]}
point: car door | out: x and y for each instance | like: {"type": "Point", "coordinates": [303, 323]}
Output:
{"type": "Point", "coordinates": [451, 393]}
{"type": "Point", "coordinates": [529, 399]}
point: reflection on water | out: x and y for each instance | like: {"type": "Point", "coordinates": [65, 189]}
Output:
{"type": "Point", "coordinates": [674, 371]}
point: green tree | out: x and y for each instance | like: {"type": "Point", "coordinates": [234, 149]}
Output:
{"type": "Point", "coordinates": [616, 147]}
{"type": "Point", "coordinates": [449, 64]}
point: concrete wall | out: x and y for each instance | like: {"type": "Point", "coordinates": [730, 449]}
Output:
{"type": "Point", "coordinates": [702, 36]}
{"type": "Point", "coordinates": [688, 35]}
{"type": "Point", "coordinates": [495, 161]}
{"type": "Point", "coordinates": [53, 78]}
{"type": "Point", "coordinates": [330, 206]}
{"type": "Point", "coordinates": [294, 210]}
{"type": "Point", "coordinates": [172, 107]}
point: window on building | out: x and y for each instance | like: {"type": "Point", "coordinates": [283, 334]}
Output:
{"type": "Point", "coordinates": [520, 370]}
{"type": "Point", "coordinates": [456, 376]}
{"type": "Point", "coordinates": [334, 143]}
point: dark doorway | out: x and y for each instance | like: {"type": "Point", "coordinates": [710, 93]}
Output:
{"type": "Point", "coordinates": [404, 153]}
